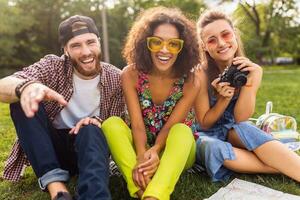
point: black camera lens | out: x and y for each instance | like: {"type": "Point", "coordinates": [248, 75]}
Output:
{"type": "Point", "coordinates": [239, 80]}
{"type": "Point", "coordinates": [234, 76]}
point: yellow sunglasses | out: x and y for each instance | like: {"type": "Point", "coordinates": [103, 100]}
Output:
{"type": "Point", "coordinates": [173, 45]}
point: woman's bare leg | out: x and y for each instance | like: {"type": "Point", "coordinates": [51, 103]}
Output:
{"type": "Point", "coordinates": [274, 155]}
{"type": "Point", "coordinates": [246, 161]}
{"type": "Point", "coordinates": [278, 156]}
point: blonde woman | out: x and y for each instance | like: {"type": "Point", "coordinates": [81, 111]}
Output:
{"type": "Point", "coordinates": [226, 142]}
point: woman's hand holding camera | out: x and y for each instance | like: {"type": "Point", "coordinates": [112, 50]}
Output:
{"type": "Point", "coordinates": [255, 71]}
{"type": "Point", "coordinates": [223, 88]}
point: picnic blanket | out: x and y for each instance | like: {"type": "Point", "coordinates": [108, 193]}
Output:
{"type": "Point", "coordinates": [239, 189]}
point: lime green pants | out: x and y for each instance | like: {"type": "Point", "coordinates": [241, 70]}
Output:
{"type": "Point", "coordinates": [179, 154]}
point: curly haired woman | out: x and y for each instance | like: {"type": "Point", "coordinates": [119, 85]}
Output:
{"type": "Point", "coordinates": [159, 88]}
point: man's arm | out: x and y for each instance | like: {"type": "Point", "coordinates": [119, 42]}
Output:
{"type": "Point", "coordinates": [7, 89]}
{"type": "Point", "coordinates": [31, 94]}
{"type": "Point", "coordinates": [40, 71]}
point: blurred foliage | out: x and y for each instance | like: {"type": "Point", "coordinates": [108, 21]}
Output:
{"type": "Point", "coordinates": [269, 30]}
{"type": "Point", "coordinates": [28, 28]}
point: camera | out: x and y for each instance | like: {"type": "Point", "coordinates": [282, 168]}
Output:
{"type": "Point", "coordinates": [234, 76]}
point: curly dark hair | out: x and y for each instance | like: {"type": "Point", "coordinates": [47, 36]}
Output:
{"type": "Point", "coordinates": [136, 51]}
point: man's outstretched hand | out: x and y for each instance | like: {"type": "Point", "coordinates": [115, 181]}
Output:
{"type": "Point", "coordinates": [34, 93]}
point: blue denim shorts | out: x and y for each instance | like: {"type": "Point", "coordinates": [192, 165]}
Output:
{"type": "Point", "coordinates": [213, 149]}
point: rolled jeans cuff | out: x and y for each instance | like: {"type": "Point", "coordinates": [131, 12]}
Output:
{"type": "Point", "coordinates": [55, 175]}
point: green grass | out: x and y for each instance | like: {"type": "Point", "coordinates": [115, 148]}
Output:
{"type": "Point", "coordinates": [280, 85]}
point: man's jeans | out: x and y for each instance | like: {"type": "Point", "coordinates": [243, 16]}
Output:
{"type": "Point", "coordinates": [54, 153]}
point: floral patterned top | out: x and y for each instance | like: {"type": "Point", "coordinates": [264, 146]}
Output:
{"type": "Point", "coordinates": [155, 116]}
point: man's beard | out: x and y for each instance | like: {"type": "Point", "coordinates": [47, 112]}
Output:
{"type": "Point", "coordinates": [82, 71]}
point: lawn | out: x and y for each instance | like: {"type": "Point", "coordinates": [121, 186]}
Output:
{"type": "Point", "coordinates": [280, 85]}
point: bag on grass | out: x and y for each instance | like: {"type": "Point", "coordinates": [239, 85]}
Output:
{"type": "Point", "coordinates": [282, 127]}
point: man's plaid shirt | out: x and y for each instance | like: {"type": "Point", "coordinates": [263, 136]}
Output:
{"type": "Point", "coordinates": [57, 73]}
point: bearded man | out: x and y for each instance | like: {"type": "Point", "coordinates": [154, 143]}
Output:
{"type": "Point", "coordinates": [57, 105]}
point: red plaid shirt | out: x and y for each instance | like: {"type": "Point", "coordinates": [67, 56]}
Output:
{"type": "Point", "coordinates": [57, 73]}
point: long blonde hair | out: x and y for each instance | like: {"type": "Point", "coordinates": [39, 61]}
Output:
{"type": "Point", "coordinates": [207, 61]}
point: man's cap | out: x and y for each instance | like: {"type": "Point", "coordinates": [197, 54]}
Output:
{"type": "Point", "coordinates": [67, 31]}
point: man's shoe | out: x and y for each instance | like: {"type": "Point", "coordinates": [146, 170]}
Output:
{"type": "Point", "coordinates": [63, 196]}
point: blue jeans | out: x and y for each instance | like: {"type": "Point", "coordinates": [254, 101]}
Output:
{"type": "Point", "coordinates": [54, 154]}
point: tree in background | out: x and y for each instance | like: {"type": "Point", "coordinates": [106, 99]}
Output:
{"type": "Point", "coordinates": [13, 23]}
{"type": "Point", "coordinates": [28, 28]}
{"type": "Point", "coordinates": [121, 17]}
{"type": "Point", "coordinates": [269, 29]}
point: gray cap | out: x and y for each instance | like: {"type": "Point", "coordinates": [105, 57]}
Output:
{"type": "Point", "coordinates": [66, 32]}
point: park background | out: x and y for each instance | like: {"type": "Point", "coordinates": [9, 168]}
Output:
{"type": "Point", "coordinates": [270, 30]}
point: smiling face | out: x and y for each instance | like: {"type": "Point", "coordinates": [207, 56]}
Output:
{"type": "Point", "coordinates": [219, 41]}
{"type": "Point", "coordinates": [163, 59]}
{"type": "Point", "coordinates": [84, 52]}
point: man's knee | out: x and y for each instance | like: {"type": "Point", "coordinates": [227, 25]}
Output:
{"type": "Point", "coordinates": [17, 112]}
{"type": "Point", "coordinates": [15, 106]}
{"type": "Point", "coordinates": [93, 129]}
{"type": "Point", "coordinates": [90, 134]}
